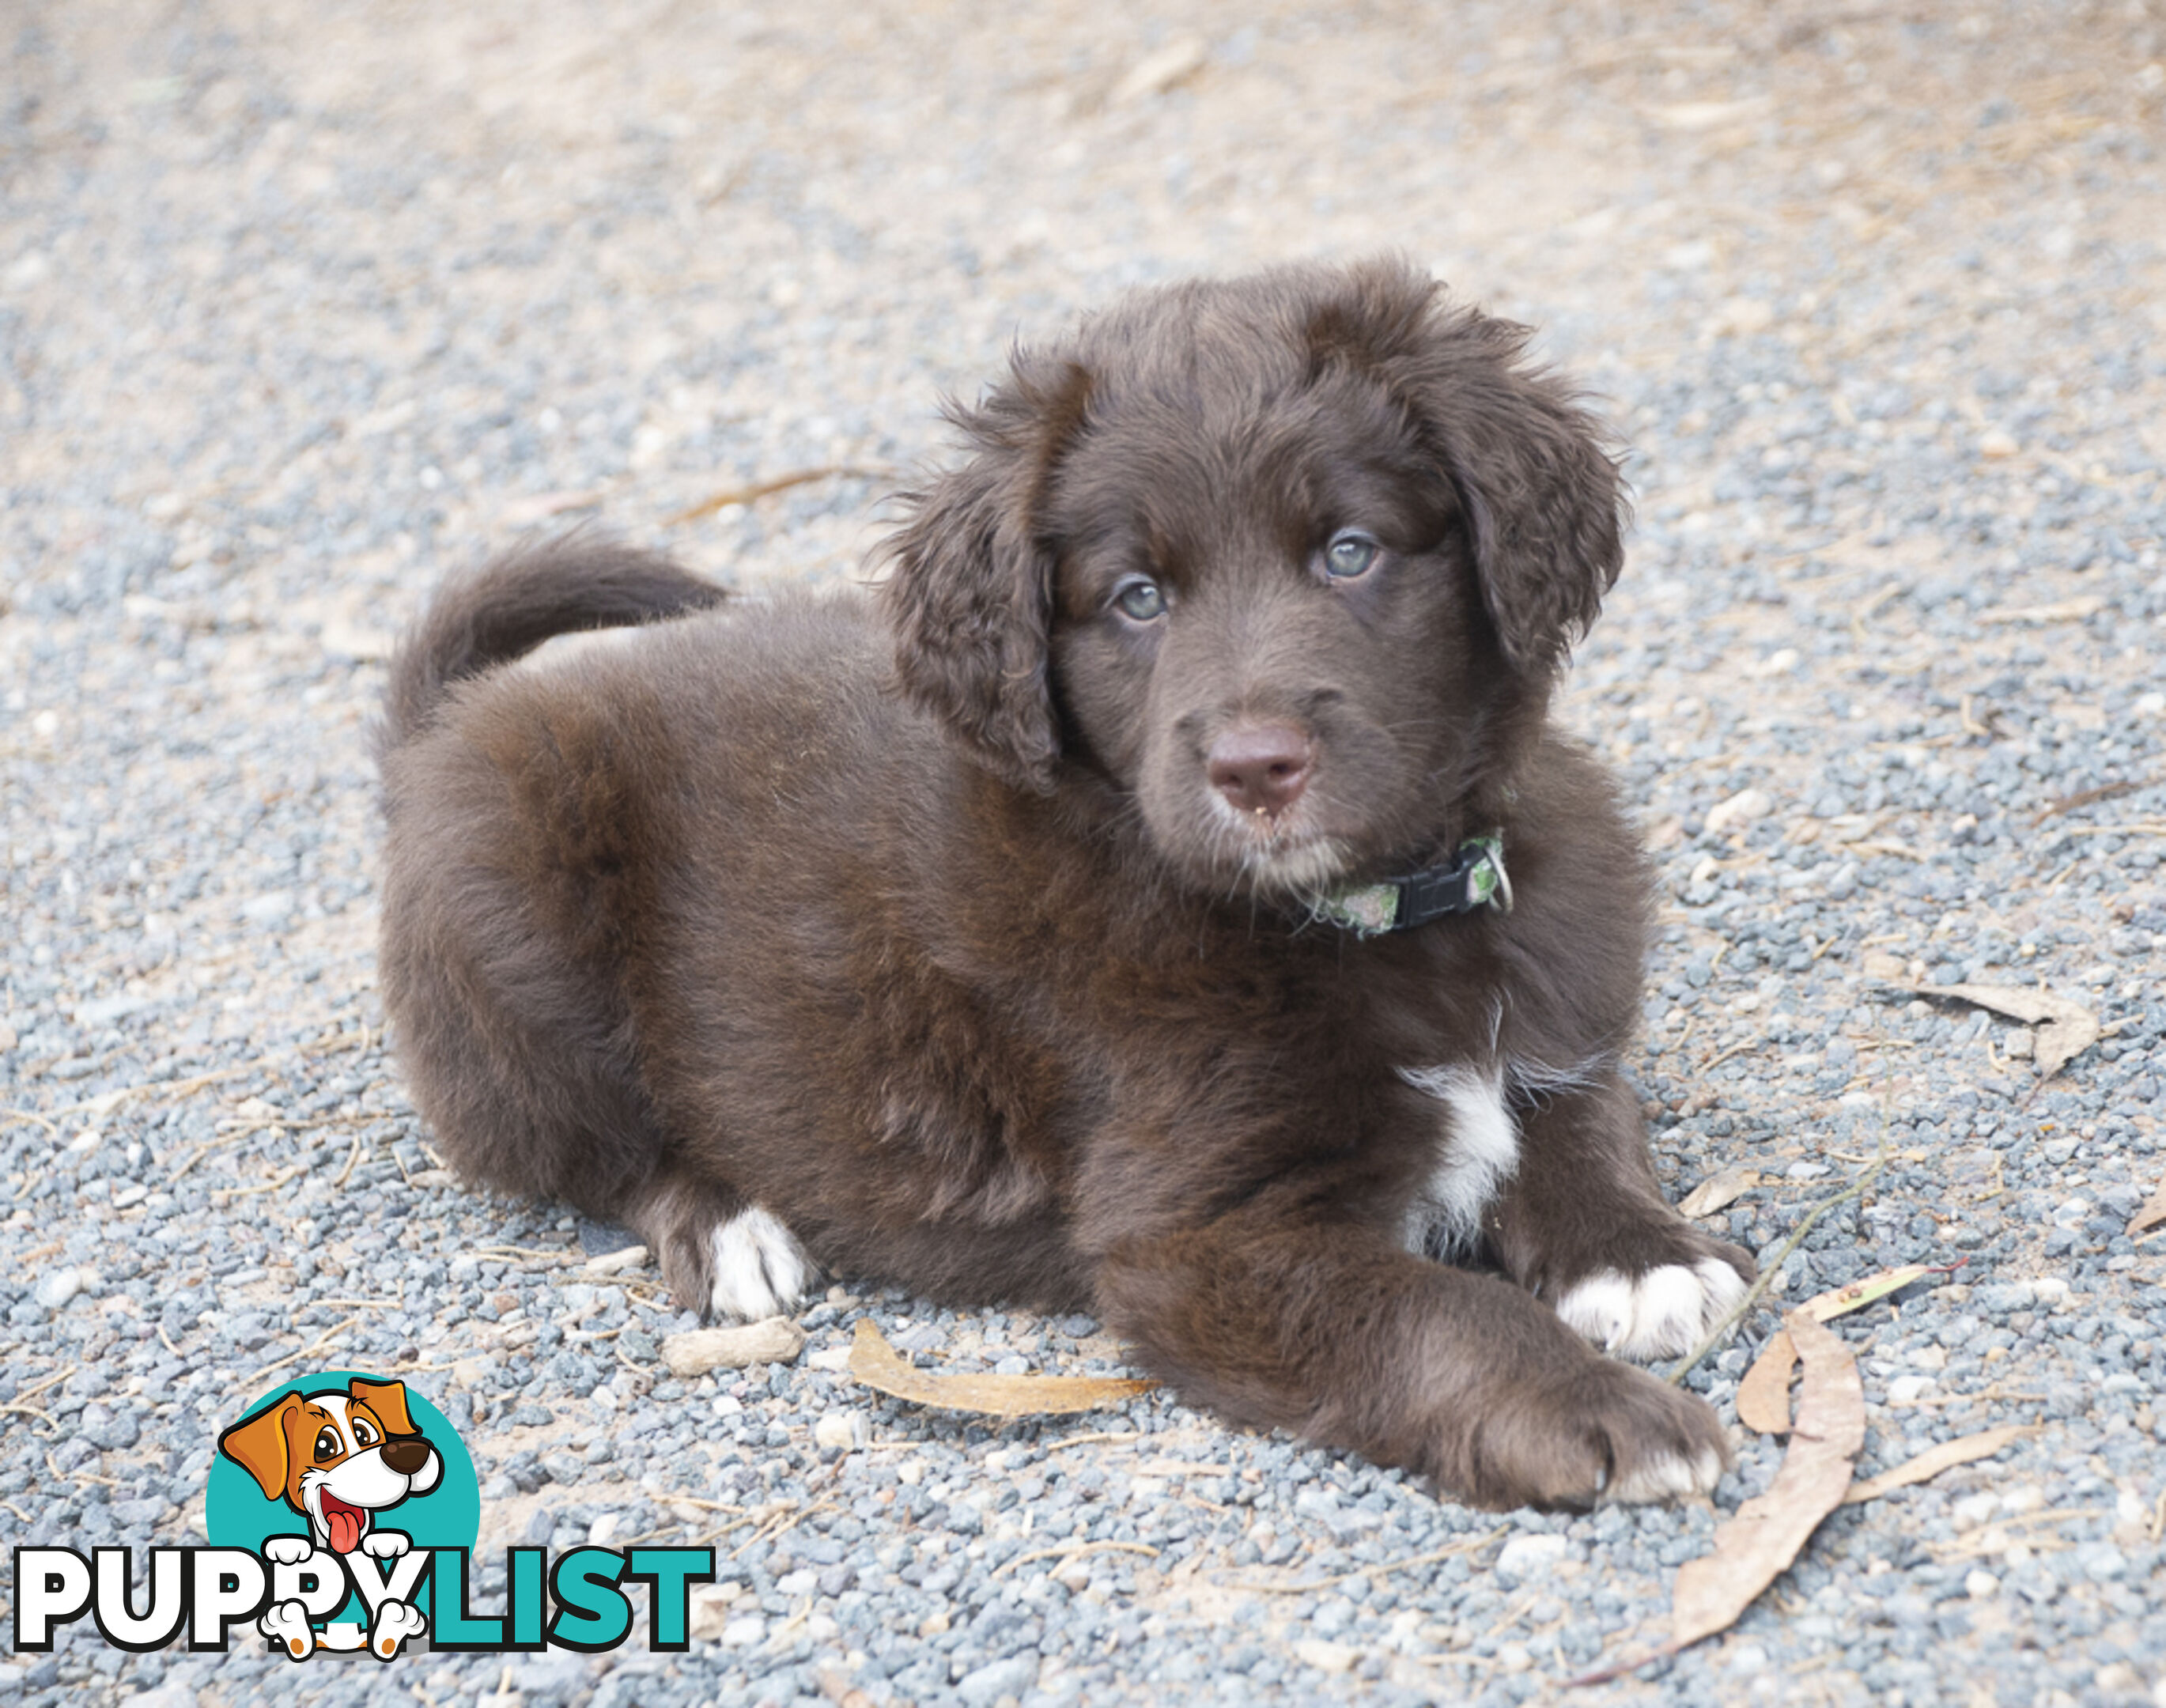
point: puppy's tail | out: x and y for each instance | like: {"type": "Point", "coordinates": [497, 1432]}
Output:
{"type": "Point", "coordinates": [514, 603]}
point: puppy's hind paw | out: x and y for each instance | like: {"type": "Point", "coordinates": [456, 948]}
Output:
{"type": "Point", "coordinates": [758, 1268]}
{"type": "Point", "coordinates": [395, 1622]}
{"type": "Point", "coordinates": [285, 1625]}
{"type": "Point", "coordinates": [720, 1256]}
{"type": "Point", "coordinates": [1656, 1315]}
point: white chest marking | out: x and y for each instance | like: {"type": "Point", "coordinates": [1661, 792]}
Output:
{"type": "Point", "coordinates": [1477, 1151]}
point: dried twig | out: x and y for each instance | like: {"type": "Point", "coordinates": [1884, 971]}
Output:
{"type": "Point", "coordinates": [1769, 1271]}
{"type": "Point", "coordinates": [1472, 1544]}
{"type": "Point", "coordinates": [320, 1344]}
{"type": "Point", "coordinates": [765, 489]}
{"type": "Point", "coordinates": [1093, 1437]}
{"type": "Point", "coordinates": [2085, 797]}
{"type": "Point", "coordinates": [44, 1381]}
{"type": "Point", "coordinates": [1073, 1551]}
{"type": "Point", "coordinates": [283, 1176]}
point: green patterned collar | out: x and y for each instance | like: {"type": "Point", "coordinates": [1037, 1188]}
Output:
{"type": "Point", "coordinates": [1474, 877]}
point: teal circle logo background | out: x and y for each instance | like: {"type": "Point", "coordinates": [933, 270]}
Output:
{"type": "Point", "coordinates": [237, 1515]}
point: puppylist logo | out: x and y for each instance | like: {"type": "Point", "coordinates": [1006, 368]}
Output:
{"type": "Point", "coordinates": [342, 1512]}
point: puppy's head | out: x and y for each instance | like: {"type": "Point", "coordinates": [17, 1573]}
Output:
{"type": "Point", "coordinates": [1290, 561]}
{"type": "Point", "coordinates": [335, 1456]}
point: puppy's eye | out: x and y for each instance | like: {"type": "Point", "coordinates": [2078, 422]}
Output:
{"type": "Point", "coordinates": [327, 1444]}
{"type": "Point", "coordinates": [1350, 553]}
{"type": "Point", "coordinates": [362, 1435]}
{"type": "Point", "coordinates": [1143, 601]}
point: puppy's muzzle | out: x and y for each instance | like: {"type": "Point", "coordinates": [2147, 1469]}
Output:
{"type": "Point", "coordinates": [1261, 769]}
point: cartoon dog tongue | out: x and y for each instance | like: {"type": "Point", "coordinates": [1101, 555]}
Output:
{"type": "Point", "coordinates": [345, 1522]}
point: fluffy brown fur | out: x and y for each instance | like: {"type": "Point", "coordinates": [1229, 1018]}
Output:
{"type": "Point", "coordinates": [962, 939]}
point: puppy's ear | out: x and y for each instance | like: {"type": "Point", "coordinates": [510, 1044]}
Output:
{"type": "Point", "coordinates": [1544, 500]}
{"type": "Point", "coordinates": [388, 1400]}
{"type": "Point", "coordinates": [257, 1444]}
{"type": "Point", "coordinates": [971, 594]}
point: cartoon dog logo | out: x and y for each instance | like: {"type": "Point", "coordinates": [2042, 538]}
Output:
{"type": "Point", "coordinates": [338, 1458]}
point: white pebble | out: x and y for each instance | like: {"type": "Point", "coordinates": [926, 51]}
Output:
{"type": "Point", "coordinates": [58, 1288]}
{"type": "Point", "coordinates": [1740, 808]}
{"type": "Point", "coordinates": [1529, 1556]}
{"type": "Point", "coordinates": [709, 1608]}
{"type": "Point", "coordinates": [841, 1429]}
{"type": "Point", "coordinates": [1326, 1657]}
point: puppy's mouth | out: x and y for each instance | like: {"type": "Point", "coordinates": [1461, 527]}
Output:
{"type": "Point", "coordinates": [1297, 874]}
{"type": "Point", "coordinates": [1281, 858]}
{"type": "Point", "coordinates": [344, 1522]}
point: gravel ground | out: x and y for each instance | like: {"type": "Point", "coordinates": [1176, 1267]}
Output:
{"type": "Point", "coordinates": [301, 304]}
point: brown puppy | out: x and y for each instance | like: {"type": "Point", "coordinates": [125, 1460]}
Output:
{"type": "Point", "coordinates": [1020, 939]}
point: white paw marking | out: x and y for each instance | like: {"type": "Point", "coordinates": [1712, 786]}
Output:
{"type": "Point", "coordinates": [1477, 1151]}
{"type": "Point", "coordinates": [1662, 1313]}
{"type": "Point", "coordinates": [287, 1551]}
{"type": "Point", "coordinates": [385, 1544]}
{"type": "Point", "coordinates": [760, 1270]}
{"type": "Point", "coordinates": [1666, 1477]}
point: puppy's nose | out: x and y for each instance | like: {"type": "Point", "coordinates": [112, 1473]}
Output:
{"type": "Point", "coordinates": [1259, 767]}
{"type": "Point", "coordinates": [406, 1457]}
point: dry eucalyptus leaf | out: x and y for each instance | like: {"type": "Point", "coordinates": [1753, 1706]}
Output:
{"type": "Point", "coordinates": [1718, 1191]}
{"type": "Point", "coordinates": [1933, 1461]}
{"type": "Point", "coordinates": [1763, 1397]}
{"type": "Point", "coordinates": [878, 1365]}
{"type": "Point", "coordinates": [1856, 1295]}
{"type": "Point", "coordinates": [1756, 1546]}
{"type": "Point", "coordinates": [2152, 1215]}
{"type": "Point", "coordinates": [2066, 1027]}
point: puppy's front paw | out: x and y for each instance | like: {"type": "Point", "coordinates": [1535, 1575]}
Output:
{"type": "Point", "coordinates": [1658, 1314]}
{"type": "Point", "coordinates": [385, 1544]}
{"type": "Point", "coordinates": [1613, 1434]}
